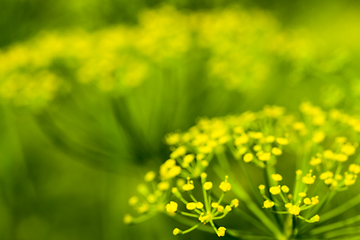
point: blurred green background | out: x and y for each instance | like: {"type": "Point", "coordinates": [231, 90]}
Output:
{"type": "Point", "coordinates": [71, 154]}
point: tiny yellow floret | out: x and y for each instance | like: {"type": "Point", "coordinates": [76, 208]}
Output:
{"type": "Point", "coordinates": [268, 204]}
{"type": "Point", "coordinates": [149, 176]}
{"type": "Point", "coordinates": [285, 189]}
{"type": "Point", "coordinates": [190, 206]}
{"type": "Point", "coordinates": [162, 186]}
{"type": "Point", "coordinates": [328, 181]}
{"type": "Point", "coordinates": [295, 210]}
{"type": "Point", "coordinates": [199, 205]}
{"type": "Point", "coordinates": [276, 151]}
{"type": "Point", "coordinates": [203, 175]}
{"type": "Point", "coordinates": [221, 231]}
{"type": "Point", "coordinates": [276, 177]}
{"type": "Point", "coordinates": [208, 185]}
{"type": "Point", "coordinates": [282, 141]}
{"type": "Point", "coordinates": [188, 186]}
{"type": "Point", "coordinates": [180, 151]}
{"type": "Point", "coordinates": [265, 156]}
{"type": "Point", "coordinates": [128, 219]}
{"type": "Point", "coordinates": [308, 179]}
{"type": "Point", "coordinates": [189, 158]}
{"type": "Point", "coordinates": [176, 231]}
{"type": "Point", "coordinates": [314, 200]}
{"type": "Point", "coordinates": [348, 149]}
{"type": "Point", "coordinates": [234, 202]}
{"type": "Point", "coordinates": [275, 190]}
{"type": "Point", "coordinates": [214, 205]}
{"type": "Point", "coordinates": [315, 218]}
{"type": "Point", "coordinates": [270, 139]}
{"type": "Point", "coordinates": [171, 207]}
{"type": "Point", "coordinates": [326, 175]}
{"type": "Point", "coordinates": [288, 205]}
{"type": "Point", "coordinates": [354, 168]}
{"type": "Point", "coordinates": [133, 200]}
{"type": "Point", "coordinates": [315, 161]}
{"type": "Point", "coordinates": [307, 201]}
{"type": "Point", "coordinates": [225, 186]}
{"type": "Point", "coordinates": [248, 157]}
{"type": "Point", "coordinates": [302, 194]}
{"type": "Point", "coordinates": [318, 137]}
{"type": "Point", "coordinates": [257, 148]}
{"type": "Point", "coordinates": [328, 154]}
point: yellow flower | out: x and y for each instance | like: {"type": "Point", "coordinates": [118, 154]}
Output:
{"type": "Point", "coordinates": [314, 200]}
{"type": "Point", "coordinates": [208, 185]}
{"type": "Point", "coordinates": [315, 161]}
{"type": "Point", "coordinates": [307, 201]}
{"type": "Point", "coordinates": [248, 157]}
{"type": "Point", "coordinates": [276, 151]}
{"type": "Point", "coordinates": [328, 154]}
{"type": "Point", "coordinates": [265, 156]}
{"type": "Point", "coordinates": [302, 194]}
{"type": "Point", "coordinates": [318, 136]}
{"type": "Point", "coordinates": [285, 189]}
{"type": "Point", "coordinates": [308, 179]}
{"type": "Point", "coordinates": [282, 141]}
{"type": "Point", "coordinates": [225, 186]}
{"type": "Point", "coordinates": [128, 219]}
{"type": "Point", "coordinates": [268, 204]}
{"type": "Point", "coordinates": [163, 186]}
{"type": "Point", "coordinates": [190, 206]}
{"type": "Point", "coordinates": [221, 231]}
{"type": "Point", "coordinates": [176, 231]}
{"type": "Point", "coordinates": [171, 207]}
{"type": "Point", "coordinates": [234, 202]}
{"type": "Point", "coordinates": [340, 157]}
{"type": "Point", "coordinates": [348, 149]}
{"type": "Point", "coordinates": [295, 210]}
{"type": "Point", "coordinates": [275, 190]}
{"type": "Point", "coordinates": [180, 151]}
{"type": "Point", "coordinates": [354, 168]}
{"type": "Point", "coordinates": [276, 177]}
{"type": "Point", "coordinates": [149, 176]}
{"type": "Point", "coordinates": [315, 218]}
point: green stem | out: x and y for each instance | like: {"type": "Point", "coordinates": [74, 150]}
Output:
{"type": "Point", "coordinates": [336, 225]}
{"type": "Point", "coordinates": [341, 209]}
{"type": "Point", "coordinates": [342, 232]}
{"type": "Point", "coordinates": [269, 170]}
{"type": "Point", "coordinates": [242, 194]}
{"type": "Point", "coordinates": [190, 229]}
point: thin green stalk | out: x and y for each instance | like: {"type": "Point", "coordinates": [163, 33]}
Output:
{"type": "Point", "coordinates": [190, 229]}
{"type": "Point", "coordinates": [188, 222]}
{"type": "Point", "coordinates": [336, 225]}
{"type": "Point", "coordinates": [245, 173]}
{"type": "Point", "coordinates": [269, 183]}
{"type": "Point", "coordinates": [343, 232]}
{"type": "Point", "coordinates": [242, 194]}
{"type": "Point", "coordinates": [341, 209]}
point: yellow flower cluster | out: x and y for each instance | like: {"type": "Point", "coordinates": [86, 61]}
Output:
{"type": "Point", "coordinates": [264, 139]}
{"type": "Point", "coordinates": [283, 202]}
{"type": "Point", "coordinates": [207, 211]}
{"type": "Point", "coordinates": [261, 138]}
{"type": "Point", "coordinates": [154, 194]}
{"type": "Point", "coordinates": [244, 49]}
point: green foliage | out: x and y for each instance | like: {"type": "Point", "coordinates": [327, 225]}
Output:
{"type": "Point", "coordinates": [90, 90]}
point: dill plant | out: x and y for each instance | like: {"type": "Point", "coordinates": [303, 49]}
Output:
{"type": "Point", "coordinates": [313, 152]}
{"type": "Point", "coordinates": [170, 58]}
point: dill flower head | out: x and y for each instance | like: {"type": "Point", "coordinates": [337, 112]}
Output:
{"type": "Point", "coordinates": [265, 140]}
